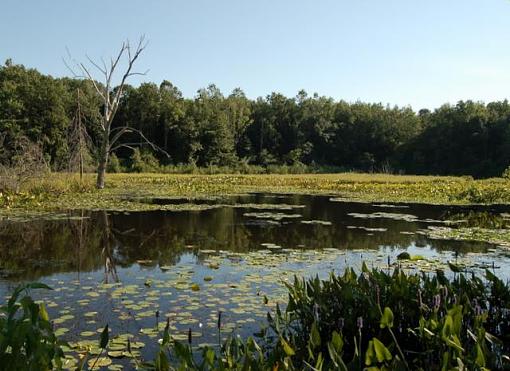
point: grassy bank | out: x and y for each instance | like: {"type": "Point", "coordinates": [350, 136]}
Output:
{"type": "Point", "coordinates": [131, 191]}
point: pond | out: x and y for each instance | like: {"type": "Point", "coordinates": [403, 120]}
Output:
{"type": "Point", "coordinates": [134, 270]}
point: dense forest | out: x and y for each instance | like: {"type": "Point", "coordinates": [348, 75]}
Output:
{"type": "Point", "coordinates": [214, 129]}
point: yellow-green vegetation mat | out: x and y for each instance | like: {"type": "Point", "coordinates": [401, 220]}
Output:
{"type": "Point", "coordinates": [133, 192]}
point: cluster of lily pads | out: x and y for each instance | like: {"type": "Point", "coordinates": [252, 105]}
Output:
{"type": "Point", "coordinates": [366, 319]}
{"type": "Point", "coordinates": [243, 287]}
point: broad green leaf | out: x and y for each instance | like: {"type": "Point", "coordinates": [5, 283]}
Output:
{"type": "Point", "coordinates": [38, 285]}
{"type": "Point", "coordinates": [381, 352]}
{"type": "Point", "coordinates": [286, 347]}
{"type": "Point", "coordinates": [387, 318]}
{"type": "Point", "coordinates": [43, 313]}
{"type": "Point", "coordinates": [370, 357]}
{"type": "Point", "coordinates": [315, 336]}
{"type": "Point", "coordinates": [337, 341]}
{"type": "Point", "coordinates": [447, 327]}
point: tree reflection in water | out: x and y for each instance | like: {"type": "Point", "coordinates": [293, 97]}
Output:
{"type": "Point", "coordinates": [86, 241]}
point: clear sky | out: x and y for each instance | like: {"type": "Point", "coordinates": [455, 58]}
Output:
{"type": "Point", "coordinates": [408, 52]}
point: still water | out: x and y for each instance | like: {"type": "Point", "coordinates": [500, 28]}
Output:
{"type": "Point", "coordinates": [132, 271]}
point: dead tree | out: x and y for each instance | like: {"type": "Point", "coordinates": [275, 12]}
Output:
{"type": "Point", "coordinates": [78, 139]}
{"type": "Point", "coordinates": [111, 96]}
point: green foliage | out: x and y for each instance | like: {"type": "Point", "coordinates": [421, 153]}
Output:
{"type": "Point", "coordinates": [340, 324]}
{"type": "Point", "coordinates": [27, 340]}
{"type": "Point", "coordinates": [143, 162]}
{"type": "Point", "coordinates": [114, 165]}
{"type": "Point", "coordinates": [372, 320]}
{"type": "Point", "coordinates": [213, 129]}
{"type": "Point", "coordinates": [482, 193]}
{"type": "Point", "coordinates": [393, 321]}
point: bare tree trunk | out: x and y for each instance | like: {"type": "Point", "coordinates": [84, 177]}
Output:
{"type": "Point", "coordinates": [80, 146]}
{"type": "Point", "coordinates": [81, 167]}
{"type": "Point", "coordinates": [103, 161]}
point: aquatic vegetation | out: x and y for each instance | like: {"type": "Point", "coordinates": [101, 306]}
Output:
{"type": "Point", "coordinates": [317, 222]}
{"type": "Point", "coordinates": [27, 340]}
{"type": "Point", "coordinates": [499, 237]}
{"type": "Point", "coordinates": [404, 256]}
{"type": "Point", "coordinates": [274, 216]}
{"type": "Point", "coordinates": [384, 215]}
{"type": "Point", "coordinates": [368, 319]}
{"type": "Point", "coordinates": [132, 191]}
{"type": "Point", "coordinates": [189, 267]}
{"type": "Point", "coordinates": [397, 321]}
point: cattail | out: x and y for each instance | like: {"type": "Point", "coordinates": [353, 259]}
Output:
{"type": "Point", "coordinates": [189, 336]}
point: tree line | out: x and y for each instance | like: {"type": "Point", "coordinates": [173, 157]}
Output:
{"type": "Point", "coordinates": [217, 129]}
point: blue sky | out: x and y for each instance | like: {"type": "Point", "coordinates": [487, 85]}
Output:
{"type": "Point", "coordinates": [408, 52]}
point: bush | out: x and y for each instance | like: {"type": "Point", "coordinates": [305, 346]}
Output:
{"type": "Point", "coordinates": [114, 165]}
{"type": "Point", "coordinates": [20, 161]}
{"type": "Point", "coordinates": [144, 162]}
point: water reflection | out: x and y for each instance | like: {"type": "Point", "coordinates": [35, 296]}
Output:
{"type": "Point", "coordinates": [105, 241]}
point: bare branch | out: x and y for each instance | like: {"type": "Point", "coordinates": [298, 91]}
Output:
{"type": "Point", "coordinates": [138, 73]}
{"type": "Point", "coordinates": [122, 131]}
{"type": "Point", "coordinates": [73, 72]}
{"type": "Point", "coordinates": [104, 64]}
{"type": "Point", "coordinates": [75, 75]}
{"type": "Point", "coordinates": [89, 76]}
{"type": "Point", "coordinates": [130, 146]}
{"type": "Point", "coordinates": [139, 132]}
{"type": "Point", "coordinates": [103, 71]}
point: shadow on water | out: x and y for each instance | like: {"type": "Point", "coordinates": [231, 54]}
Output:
{"type": "Point", "coordinates": [101, 240]}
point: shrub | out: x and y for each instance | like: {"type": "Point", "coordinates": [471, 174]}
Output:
{"type": "Point", "coordinates": [144, 162]}
{"type": "Point", "coordinates": [20, 161]}
{"type": "Point", "coordinates": [114, 165]}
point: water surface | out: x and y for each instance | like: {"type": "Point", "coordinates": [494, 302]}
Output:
{"type": "Point", "coordinates": [134, 270]}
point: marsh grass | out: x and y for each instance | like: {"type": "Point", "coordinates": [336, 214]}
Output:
{"type": "Point", "coordinates": [66, 191]}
